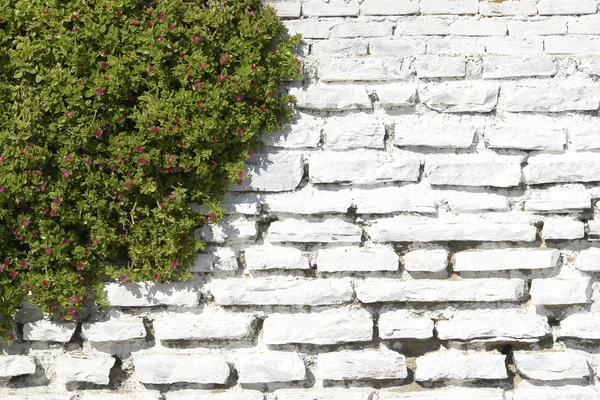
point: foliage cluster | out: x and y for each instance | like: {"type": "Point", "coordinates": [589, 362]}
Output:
{"type": "Point", "coordinates": [115, 115]}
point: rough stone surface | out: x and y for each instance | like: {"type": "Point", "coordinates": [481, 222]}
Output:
{"type": "Point", "coordinates": [460, 99]}
{"type": "Point", "coordinates": [560, 392]}
{"type": "Point", "coordinates": [353, 259]}
{"type": "Point", "coordinates": [457, 365]}
{"type": "Point", "coordinates": [555, 291]}
{"type": "Point", "coordinates": [401, 325]}
{"type": "Point", "coordinates": [274, 257]}
{"type": "Point", "coordinates": [500, 329]}
{"type": "Point", "coordinates": [552, 365]}
{"type": "Point", "coordinates": [426, 260]}
{"type": "Point", "coordinates": [497, 260]}
{"type": "Point", "coordinates": [91, 369]}
{"type": "Point", "coordinates": [151, 294]}
{"type": "Point", "coordinates": [16, 365]}
{"type": "Point", "coordinates": [475, 171]}
{"type": "Point", "coordinates": [206, 326]}
{"type": "Point", "coordinates": [272, 173]}
{"type": "Point", "coordinates": [367, 364]}
{"type": "Point", "coordinates": [328, 327]}
{"type": "Point", "coordinates": [545, 168]}
{"type": "Point", "coordinates": [49, 331]}
{"type": "Point", "coordinates": [332, 230]}
{"type": "Point", "coordinates": [270, 367]}
{"type": "Point", "coordinates": [171, 368]}
{"type": "Point", "coordinates": [113, 330]}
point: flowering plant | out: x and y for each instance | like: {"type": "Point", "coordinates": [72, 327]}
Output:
{"type": "Point", "coordinates": [115, 115]}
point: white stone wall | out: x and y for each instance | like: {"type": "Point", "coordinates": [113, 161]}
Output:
{"type": "Point", "coordinates": [425, 229]}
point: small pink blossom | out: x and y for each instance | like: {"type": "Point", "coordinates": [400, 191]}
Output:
{"type": "Point", "coordinates": [104, 64]}
{"type": "Point", "coordinates": [135, 22]}
{"type": "Point", "coordinates": [58, 201]}
{"type": "Point", "coordinates": [171, 197]}
{"type": "Point", "coordinates": [1, 188]}
{"type": "Point", "coordinates": [68, 159]}
{"type": "Point", "coordinates": [127, 185]}
{"type": "Point", "coordinates": [88, 162]}
{"type": "Point", "coordinates": [170, 159]}
{"type": "Point", "coordinates": [73, 16]}
{"type": "Point", "coordinates": [240, 132]}
{"type": "Point", "coordinates": [66, 241]}
{"type": "Point", "coordinates": [154, 129]}
{"type": "Point", "coordinates": [53, 213]}
{"type": "Point", "coordinates": [68, 114]}
{"type": "Point", "coordinates": [124, 278]}
{"type": "Point", "coordinates": [45, 11]}
{"type": "Point", "coordinates": [119, 196]}
{"type": "Point", "coordinates": [156, 277]}
{"type": "Point", "coordinates": [151, 69]}
{"type": "Point", "coordinates": [73, 299]}
{"type": "Point", "coordinates": [211, 215]}
{"type": "Point", "coordinates": [198, 85]}
{"type": "Point", "coordinates": [38, 172]}
{"type": "Point", "coordinates": [25, 223]}
{"type": "Point", "coordinates": [223, 59]}
{"type": "Point", "coordinates": [161, 16]}
{"type": "Point", "coordinates": [48, 251]}
{"type": "Point", "coordinates": [221, 77]}
{"type": "Point", "coordinates": [139, 149]}
{"type": "Point", "coordinates": [159, 38]}
{"type": "Point", "coordinates": [94, 241]}
{"type": "Point", "coordinates": [196, 38]}
{"type": "Point", "coordinates": [80, 266]}
{"type": "Point", "coordinates": [66, 173]}
{"type": "Point", "coordinates": [98, 133]}
{"type": "Point", "coordinates": [174, 264]}
{"type": "Point", "coordinates": [149, 24]}
{"type": "Point", "coordinates": [171, 26]}
{"type": "Point", "coordinates": [143, 161]}
{"type": "Point", "coordinates": [99, 92]}
{"type": "Point", "coordinates": [42, 187]}
{"type": "Point", "coordinates": [241, 174]}
{"type": "Point", "coordinates": [45, 283]}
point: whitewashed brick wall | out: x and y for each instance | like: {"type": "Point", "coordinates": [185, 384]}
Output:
{"type": "Point", "coordinates": [426, 228]}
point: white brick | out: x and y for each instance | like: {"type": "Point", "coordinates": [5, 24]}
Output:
{"type": "Point", "coordinates": [333, 8]}
{"type": "Point", "coordinates": [324, 394]}
{"type": "Point", "coordinates": [593, 229]}
{"type": "Point", "coordinates": [389, 199]}
{"type": "Point", "coordinates": [182, 294]}
{"type": "Point", "coordinates": [339, 48]}
{"type": "Point", "coordinates": [426, 260]}
{"type": "Point", "coordinates": [581, 167]}
{"type": "Point", "coordinates": [48, 396]}
{"type": "Point", "coordinates": [228, 229]}
{"type": "Point", "coordinates": [475, 170]}
{"type": "Point", "coordinates": [423, 26]}
{"type": "Point", "coordinates": [372, 290]}
{"type": "Point", "coordinates": [330, 230]}
{"type": "Point", "coordinates": [437, 135]}
{"type": "Point", "coordinates": [460, 97]}
{"type": "Point", "coordinates": [559, 392]}
{"type": "Point", "coordinates": [286, 9]}
{"type": "Point", "coordinates": [492, 8]}
{"type": "Point", "coordinates": [309, 200]}
{"type": "Point", "coordinates": [555, 291]}
{"type": "Point", "coordinates": [440, 67]}
{"type": "Point", "coordinates": [401, 229]}
{"type": "Point", "coordinates": [588, 260]}
{"type": "Point", "coordinates": [511, 67]}
{"type": "Point", "coordinates": [585, 26]}
{"type": "Point", "coordinates": [484, 27]}
{"type": "Point", "coordinates": [349, 133]}
{"type": "Point", "coordinates": [401, 325]}
{"type": "Point", "coordinates": [193, 394]}
{"type": "Point", "coordinates": [173, 368]}
{"type": "Point", "coordinates": [268, 257]}
{"type": "Point", "coordinates": [365, 364]}
{"type": "Point", "coordinates": [309, 28]}
{"type": "Point", "coordinates": [460, 366]}
{"type": "Point", "coordinates": [571, 45]}
{"type": "Point", "coordinates": [567, 7]}
{"type": "Point", "coordinates": [16, 365]}
{"type": "Point", "coordinates": [390, 7]}
{"type": "Point", "coordinates": [274, 366]}
{"type": "Point", "coordinates": [501, 260]}
{"type": "Point", "coordinates": [333, 98]}
{"type": "Point", "coordinates": [272, 172]}
{"type": "Point", "coordinates": [357, 259]}
{"type": "Point", "coordinates": [513, 328]}
{"type": "Point", "coordinates": [361, 69]}
{"type": "Point", "coordinates": [525, 138]}
{"type": "Point", "coordinates": [397, 47]}
{"type": "Point", "coordinates": [396, 95]}
{"type": "Point", "coordinates": [242, 203]}
{"type": "Point", "coordinates": [552, 99]}
{"type": "Point", "coordinates": [584, 138]}
{"type": "Point", "coordinates": [49, 331]}
{"type": "Point", "coordinates": [558, 199]}
{"type": "Point", "coordinates": [90, 369]}
{"type": "Point", "coordinates": [262, 291]}
{"type": "Point", "coordinates": [449, 6]}
{"type": "Point", "coordinates": [525, 29]}
{"type": "Point", "coordinates": [206, 326]}
{"type": "Point", "coordinates": [443, 394]}
{"type": "Point", "coordinates": [475, 202]}
{"type": "Point", "coordinates": [580, 326]}
{"type": "Point", "coordinates": [361, 29]}
{"type": "Point", "coordinates": [328, 327]}
{"type": "Point", "coordinates": [361, 168]}
{"type": "Point", "coordinates": [110, 395]}
{"type": "Point", "coordinates": [562, 229]}
{"type": "Point", "coordinates": [296, 135]}
{"type": "Point", "coordinates": [509, 46]}
{"type": "Point", "coordinates": [552, 365]}
{"type": "Point", "coordinates": [455, 46]}
{"type": "Point", "coordinates": [218, 259]}
{"type": "Point", "coordinates": [113, 330]}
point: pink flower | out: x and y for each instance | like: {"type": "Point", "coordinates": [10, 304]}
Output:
{"type": "Point", "coordinates": [13, 273]}
{"type": "Point", "coordinates": [161, 16]}
{"type": "Point", "coordinates": [98, 133]}
{"type": "Point", "coordinates": [127, 185]}
{"type": "Point", "coordinates": [1, 158]}
{"type": "Point", "coordinates": [45, 283]}
{"type": "Point", "coordinates": [151, 69]}
{"type": "Point", "coordinates": [254, 68]}
{"type": "Point", "coordinates": [159, 38]}
{"type": "Point", "coordinates": [48, 251]}
{"type": "Point", "coordinates": [45, 11]}
{"type": "Point", "coordinates": [196, 38]}
{"type": "Point", "coordinates": [198, 85]}
{"type": "Point", "coordinates": [188, 122]}
{"type": "Point", "coordinates": [42, 187]}
{"type": "Point", "coordinates": [241, 174]}
{"type": "Point", "coordinates": [119, 196]}
{"type": "Point", "coordinates": [223, 59]}
{"type": "Point", "coordinates": [99, 92]}
{"type": "Point", "coordinates": [148, 24]}
{"type": "Point", "coordinates": [88, 162]}
{"type": "Point", "coordinates": [105, 52]}
{"type": "Point", "coordinates": [66, 241]}
{"type": "Point", "coordinates": [1, 188]}
{"type": "Point", "coordinates": [53, 213]}
{"type": "Point", "coordinates": [143, 161]}
{"type": "Point", "coordinates": [249, 152]}
{"type": "Point", "coordinates": [68, 159]}
{"type": "Point", "coordinates": [250, 13]}
{"type": "Point", "coordinates": [171, 197]}
{"type": "Point", "coordinates": [25, 223]}
{"type": "Point", "coordinates": [171, 26]}
{"type": "Point", "coordinates": [174, 264]}
{"type": "Point", "coordinates": [104, 64]}
{"type": "Point", "coordinates": [94, 241]}
{"type": "Point", "coordinates": [73, 299]}
{"type": "Point", "coordinates": [221, 77]}
{"type": "Point", "coordinates": [66, 173]}
{"type": "Point", "coordinates": [68, 113]}
{"type": "Point", "coordinates": [154, 129]}
{"type": "Point", "coordinates": [239, 97]}
{"type": "Point", "coordinates": [202, 65]}
{"type": "Point", "coordinates": [57, 201]}
{"type": "Point", "coordinates": [211, 215]}
{"type": "Point", "coordinates": [124, 278]}
{"type": "Point", "coordinates": [119, 14]}
{"type": "Point", "coordinates": [73, 16]}
{"type": "Point", "coordinates": [240, 132]}
{"type": "Point", "coordinates": [156, 277]}
{"type": "Point", "coordinates": [170, 159]}
{"type": "Point", "coordinates": [139, 149]}
{"type": "Point", "coordinates": [135, 22]}
{"type": "Point", "coordinates": [80, 266]}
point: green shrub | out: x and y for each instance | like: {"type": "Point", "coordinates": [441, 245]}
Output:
{"type": "Point", "coordinates": [114, 116]}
